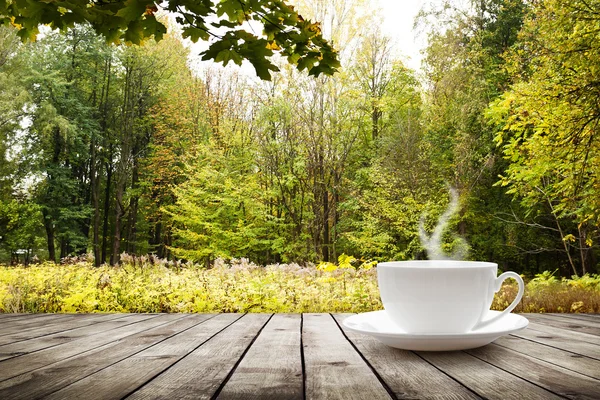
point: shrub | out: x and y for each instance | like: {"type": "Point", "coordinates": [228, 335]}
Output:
{"type": "Point", "coordinates": [148, 284]}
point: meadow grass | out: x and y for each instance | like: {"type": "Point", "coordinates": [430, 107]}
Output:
{"type": "Point", "coordinates": [150, 285]}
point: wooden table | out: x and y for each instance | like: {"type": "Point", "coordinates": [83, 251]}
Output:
{"type": "Point", "coordinates": [283, 356]}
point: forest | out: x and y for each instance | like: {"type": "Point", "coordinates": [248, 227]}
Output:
{"type": "Point", "coordinates": [108, 149]}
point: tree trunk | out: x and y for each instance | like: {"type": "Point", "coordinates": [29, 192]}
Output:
{"type": "Point", "coordinates": [118, 216]}
{"type": "Point", "coordinates": [326, 235]}
{"type": "Point", "coordinates": [50, 235]}
{"type": "Point", "coordinates": [106, 208]}
{"type": "Point", "coordinates": [133, 208]}
{"type": "Point", "coordinates": [375, 116]}
{"type": "Point", "coordinates": [94, 187]}
{"type": "Point", "coordinates": [104, 95]}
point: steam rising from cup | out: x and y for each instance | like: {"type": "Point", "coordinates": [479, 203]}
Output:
{"type": "Point", "coordinates": [433, 243]}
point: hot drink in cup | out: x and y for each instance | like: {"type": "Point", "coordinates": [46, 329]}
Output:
{"type": "Point", "coordinates": [441, 296]}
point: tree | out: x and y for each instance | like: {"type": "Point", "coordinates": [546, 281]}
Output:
{"type": "Point", "coordinates": [465, 68]}
{"type": "Point", "coordinates": [388, 190]}
{"type": "Point", "coordinates": [181, 122]}
{"type": "Point", "coordinates": [284, 31]}
{"type": "Point", "coordinates": [549, 123]}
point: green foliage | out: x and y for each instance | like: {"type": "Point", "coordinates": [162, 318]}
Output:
{"type": "Point", "coordinates": [20, 226]}
{"type": "Point", "coordinates": [136, 149]}
{"type": "Point", "coordinates": [151, 285]}
{"type": "Point", "coordinates": [134, 21]}
{"type": "Point", "coordinates": [549, 122]}
{"type": "Point", "coordinates": [218, 212]}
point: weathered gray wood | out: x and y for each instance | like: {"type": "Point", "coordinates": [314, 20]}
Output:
{"type": "Point", "coordinates": [178, 356]}
{"type": "Point", "coordinates": [404, 372]}
{"type": "Point", "coordinates": [549, 376]}
{"type": "Point", "coordinates": [575, 362]}
{"type": "Point", "coordinates": [561, 341]}
{"type": "Point", "coordinates": [124, 377]}
{"type": "Point", "coordinates": [486, 380]}
{"type": "Point", "coordinates": [573, 335]}
{"type": "Point", "coordinates": [25, 324]}
{"type": "Point", "coordinates": [31, 361]}
{"type": "Point", "coordinates": [200, 374]}
{"type": "Point", "coordinates": [587, 319]}
{"type": "Point", "coordinates": [74, 323]}
{"type": "Point", "coordinates": [15, 316]}
{"type": "Point", "coordinates": [334, 370]}
{"type": "Point", "coordinates": [53, 377]}
{"type": "Point", "coordinates": [272, 366]}
{"type": "Point", "coordinates": [564, 323]}
{"type": "Point", "coordinates": [38, 343]}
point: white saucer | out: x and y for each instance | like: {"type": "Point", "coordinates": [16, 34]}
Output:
{"type": "Point", "coordinates": [378, 325]}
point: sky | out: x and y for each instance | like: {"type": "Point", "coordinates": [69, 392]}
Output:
{"type": "Point", "coordinates": [398, 24]}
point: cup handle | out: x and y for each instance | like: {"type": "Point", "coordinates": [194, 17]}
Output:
{"type": "Point", "coordinates": [497, 285]}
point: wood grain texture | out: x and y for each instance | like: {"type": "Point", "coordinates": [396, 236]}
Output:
{"type": "Point", "coordinates": [272, 367]}
{"type": "Point", "coordinates": [46, 380]}
{"type": "Point", "coordinates": [574, 335]}
{"type": "Point", "coordinates": [37, 359]}
{"type": "Point", "coordinates": [39, 343]}
{"type": "Point", "coordinates": [585, 317]}
{"type": "Point", "coordinates": [334, 370]}
{"type": "Point", "coordinates": [580, 318]}
{"type": "Point", "coordinates": [260, 356]}
{"type": "Point", "coordinates": [404, 372]}
{"type": "Point", "coordinates": [561, 340]}
{"type": "Point", "coordinates": [124, 377]}
{"type": "Point", "coordinates": [200, 374]}
{"type": "Point", "coordinates": [575, 362]}
{"type": "Point", "coordinates": [565, 323]}
{"type": "Point", "coordinates": [15, 316]}
{"type": "Point", "coordinates": [24, 324]}
{"type": "Point", "coordinates": [64, 326]}
{"type": "Point", "coordinates": [549, 376]}
{"type": "Point", "coordinates": [486, 380]}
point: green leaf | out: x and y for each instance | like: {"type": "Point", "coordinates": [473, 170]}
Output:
{"type": "Point", "coordinates": [134, 9]}
{"type": "Point", "coordinates": [134, 32]}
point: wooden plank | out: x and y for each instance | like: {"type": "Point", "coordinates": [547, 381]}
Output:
{"type": "Point", "coordinates": [486, 380]}
{"type": "Point", "coordinates": [24, 319]}
{"type": "Point", "coordinates": [573, 335]}
{"type": "Point", "coordinates": [200, 374]}
{"type": "Point", "coordinates": [593, 321]}
{"type": "Point", "coordinates": [22, 325]}
{"type": "Point", "coordinates": [564, 323]}
{"type": "Point", "coordinates": [46, 380]}
{"type": "Point", "coordinates": [38, 359]}
{"type": "Point", "coordinates": [15, 316]}
{"type": "Point", "coordinates": [549, 376]}
{"type": "Point", "coordinates": [575, 362]}
{"type": "Point", "coordinates": [35, 344]}
{"type": "Point", "coordinates": [273, 364]}
{"type": "Point", "coordinates": [404, 372]}
{"type": "Point", "coordinates": [124, 377]}
{"type": "Point", "coordinates": [76, 322]}
{"type": "Point", "coordinates": [561, 341]}
{"type": "Point", "coordinates": [589, 316]}
{"type": "Point", "coordinates": [333, 369]}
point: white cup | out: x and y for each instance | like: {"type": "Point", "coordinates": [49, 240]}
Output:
{"type": "Point", "coordinates": [441, 296]}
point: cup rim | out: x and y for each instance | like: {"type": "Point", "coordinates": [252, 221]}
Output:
{"type": "Point", "coordinates": [437, 264]}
